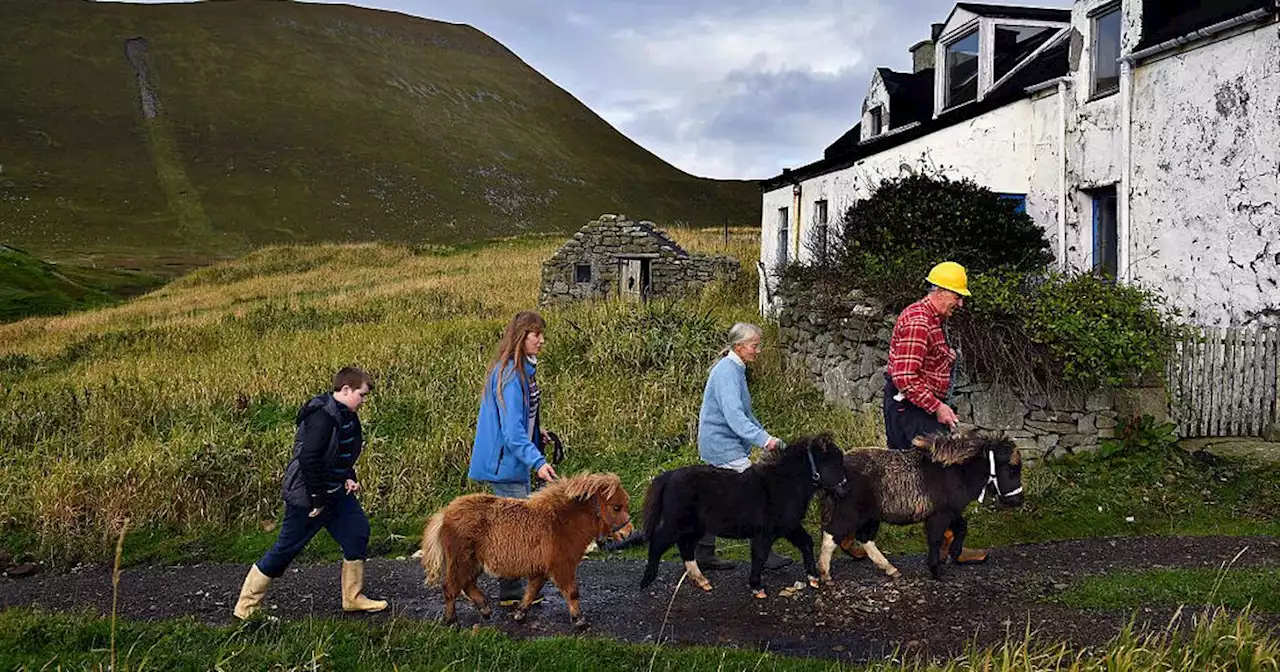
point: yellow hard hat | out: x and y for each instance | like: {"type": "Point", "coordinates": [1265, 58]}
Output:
{"type": "Point", "coordinates": [950, 275]}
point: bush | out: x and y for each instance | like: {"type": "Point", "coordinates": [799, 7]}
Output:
{"type": "Point", "coordinates": [1025, 326]}
{"type": "Point", "coordinates": [911, 223]}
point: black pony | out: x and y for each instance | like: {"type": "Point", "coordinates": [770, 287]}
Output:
{"type": "Point", "coordinates": [932, 483]}
{"type": "Point", "coordinates": [765, 502]}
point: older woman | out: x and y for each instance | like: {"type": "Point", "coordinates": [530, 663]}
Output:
{"type": "Point", "coordinates": [727, 429]}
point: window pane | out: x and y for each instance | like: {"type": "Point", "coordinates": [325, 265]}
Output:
{"type": "Point", "coordinates": [582, 273]}
{"type": "Point", "coordinates": [962, 70]}
{"type": "Point", "coordinates": [1105, 233]}
{"type": "Point", "coordinates": [877, 121]}
{"type": "Point", "coordinates": [784, 236]}
{"type": "Point", "coordinates": [1106, 52]}
{"type": "Point", "coordinates": [1015, 43]}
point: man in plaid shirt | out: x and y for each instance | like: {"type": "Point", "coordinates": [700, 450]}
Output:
{"type": "Point", "coordinates": [918, 376]}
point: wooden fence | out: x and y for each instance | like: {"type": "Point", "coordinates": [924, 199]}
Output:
{"type": "Point", "coordinates": [1224, 383]}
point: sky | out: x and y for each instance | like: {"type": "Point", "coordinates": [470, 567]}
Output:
{"type": "Point", "coordinates": [726, 89]}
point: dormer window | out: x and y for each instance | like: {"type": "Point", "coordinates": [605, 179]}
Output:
{"type": "Point", "coordinates": [876, 124]}
{"type": "Point", "coordinates": [962, 69]}
{"type": "Point", "coordinates": [1015, 43]}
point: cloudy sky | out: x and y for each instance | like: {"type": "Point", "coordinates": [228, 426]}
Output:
{"type": "Point", "coordinates": [730, 89]}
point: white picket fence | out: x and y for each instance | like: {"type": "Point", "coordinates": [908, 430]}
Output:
{"type": "Point", "coordinates": [1224, 383]}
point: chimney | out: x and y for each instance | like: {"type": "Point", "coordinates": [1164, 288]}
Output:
{"type": "Point", "coordinates": [922, 55]}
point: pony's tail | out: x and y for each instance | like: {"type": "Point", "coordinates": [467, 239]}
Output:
{"type": "Point", "coordinates": [432, 550]}
{"type": "Point", "coordinates": [653, 503]}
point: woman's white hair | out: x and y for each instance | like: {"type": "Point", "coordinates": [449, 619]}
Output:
{"type": "Point", "coordinates": [741, 332]}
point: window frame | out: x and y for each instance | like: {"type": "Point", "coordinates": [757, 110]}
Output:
{"type": "Point", "coordinates": [1098, 199]}
{"type": "Point", "coordinates": [974, 30]}
{"type": "Point", "coordinates": [577, 273]}
{"type": "Point", "coordinates": [821, 223]}
{"type": "Point", "coordinates": [784, 237]}
{"type": "Point", "coordinates": [1095, 18]}
{"type": "Point", "coordinates": [876, 120]}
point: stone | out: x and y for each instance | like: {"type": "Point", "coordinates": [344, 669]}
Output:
{"type": "Point", "coordinates": [1064, 400]}
{"type": "Point", "coordinates": [1087, 424]}
{"type": "Point", "coordinates": [1048, 416]}
{"type": "Point", "coordinates": [997, 407]}
{"type": "Point", "coordinates": [25, 569]}
{"type": "Point", "coordinates": [1074, 440]}
{"type": "Point", "coordinates": [1048, 443]}
{"type": "Point", "coordinates": [1104, 422]}
{"type": "Point", "coordinates": [1052, 427]}
{"type": "Point", "coordinates": [1135, 402]}
{"type": "Point", "coordinates": [1100, 400]}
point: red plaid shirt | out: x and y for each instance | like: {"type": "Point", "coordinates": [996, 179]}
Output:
{"type": "Point", "coordinates": [919, 358]}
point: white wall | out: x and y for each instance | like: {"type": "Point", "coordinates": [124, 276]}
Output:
{"type": "Point", "coordinates": [1206, 179]}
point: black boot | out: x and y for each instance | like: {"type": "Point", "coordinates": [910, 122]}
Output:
{"type": "Point", "coordinates": [775, 561]}
{"type": "Point", "coordinates": [705, 556]}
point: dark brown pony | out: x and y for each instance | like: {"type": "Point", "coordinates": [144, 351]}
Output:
{"type": "Point", "coordinates": [932, 483]}
{"type": "Point", "coordinates": [536, 538]}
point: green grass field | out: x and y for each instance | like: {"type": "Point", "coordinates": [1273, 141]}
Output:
{"type": "Point", "coordinates": [282, 122]}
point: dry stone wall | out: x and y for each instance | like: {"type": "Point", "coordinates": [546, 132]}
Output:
{"type": "Point", "coordinates": [842, 343]}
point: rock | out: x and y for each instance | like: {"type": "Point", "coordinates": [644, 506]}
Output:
{"type": "Point", "coordinates": [997, 408]}
{"type": "Point", "coordinates": [1100, 400]}
{"type": "Point", "coordinates": [1103, 422]}
{"type": "Point", "coordinates": [25, 569]}
{"type": "Point", "coordinates": [1052, 427]}
{"type": "Point", "coordinates": [1087, 424]}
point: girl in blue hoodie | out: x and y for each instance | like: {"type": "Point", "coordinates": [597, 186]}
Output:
{"type": "Point", "coordinates": [509, 434]}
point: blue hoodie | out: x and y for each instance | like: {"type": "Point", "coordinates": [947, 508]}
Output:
{"type": "Point", "coordinates": [504, 450]}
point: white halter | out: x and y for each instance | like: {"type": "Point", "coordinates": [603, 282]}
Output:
{"type": "Point", "coordinates": [993, 482]}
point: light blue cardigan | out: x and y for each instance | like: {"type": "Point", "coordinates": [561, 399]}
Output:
{"type": "Point", "coordinates": [726, 426]}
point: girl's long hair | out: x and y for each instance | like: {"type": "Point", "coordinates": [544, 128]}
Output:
{"type": "Point", "coordinates": [511, 350]}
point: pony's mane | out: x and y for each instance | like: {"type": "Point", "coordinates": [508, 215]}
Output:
{"type": "Point", "coordinates": [579, 487]}
{"type": "Point", "coordinates": [798, 448]}
{"type": "Point", "coordinates": [961, 449]}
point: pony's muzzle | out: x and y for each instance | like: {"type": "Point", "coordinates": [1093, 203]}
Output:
{"type": "Point", "coordinates": [623, 532]}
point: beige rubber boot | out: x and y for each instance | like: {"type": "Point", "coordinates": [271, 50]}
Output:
{"type": "Point", "coordinates": [352, 584]}
{"type": "Point", "coordinates": [251, 593]}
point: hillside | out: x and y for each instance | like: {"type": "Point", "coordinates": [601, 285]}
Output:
{"type": "Point", "coordinates": [167, 135]}
{"type": "Point", "coordinates": [29, 286]}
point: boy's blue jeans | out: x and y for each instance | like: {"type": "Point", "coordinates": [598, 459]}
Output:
{"type": "Point", "coordinates": [342, 517]}
{"type": "Point", "coordinates": [510, 589]}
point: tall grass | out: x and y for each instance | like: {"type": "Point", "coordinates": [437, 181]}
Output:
{"type": "Point", "coordinates": [176, 410]}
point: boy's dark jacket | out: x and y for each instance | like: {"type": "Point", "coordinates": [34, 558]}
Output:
{"type": "Point", "coordinates": [325, 450]}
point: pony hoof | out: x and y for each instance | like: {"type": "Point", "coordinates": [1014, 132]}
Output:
{"type": "Point", "coordinates": [813, 582]}
{"type": "Point", "coordinates": [826, 578]}
{"type": "Point", "coordinates": [519, 616]}
{"type": "Point", "coordinates": [760, 594]}
{"type": "Point", "coordinates": [580, 622]}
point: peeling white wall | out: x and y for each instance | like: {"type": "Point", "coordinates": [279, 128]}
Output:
{"type": "Point", "coordinates": [1206, 179]}
{"type": "Point", "coordinates": [877, 94]}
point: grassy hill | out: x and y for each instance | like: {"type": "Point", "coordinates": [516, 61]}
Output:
{"type": "Point", "coordinates": [169, 135]}
{"type": "Point", "coordinates": [29, 286]}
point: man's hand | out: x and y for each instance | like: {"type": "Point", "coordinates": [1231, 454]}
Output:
{"type": "Point", "coordinates": [547, 472]}
{"type": "Point", "coordinates": [351, 486]}
{"type": "Point", "coordinates": [947, 416]}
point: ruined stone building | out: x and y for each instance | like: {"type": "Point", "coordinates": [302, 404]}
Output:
{"type": "Point", "coordinates": [614, 257]}
{"type": "Point", "coordinates": [1143, 136]}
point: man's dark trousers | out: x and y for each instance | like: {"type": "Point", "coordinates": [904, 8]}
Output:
{"type": "Point", "coordinates": [904, 421]}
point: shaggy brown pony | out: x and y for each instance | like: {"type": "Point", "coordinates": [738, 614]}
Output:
{"type": "Point", "coordinates": [540, 537]}
{"type": "Point", "coordinates": [933, 483]}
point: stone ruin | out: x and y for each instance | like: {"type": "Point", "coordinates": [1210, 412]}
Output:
{"type": "Point", "coordinates": [614, 257]}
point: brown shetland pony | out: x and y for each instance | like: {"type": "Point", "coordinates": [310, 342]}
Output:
{"type": "Point", "coordinates": [536, 538]}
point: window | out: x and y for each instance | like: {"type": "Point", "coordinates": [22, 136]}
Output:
{"type": "Point", "coordinates": [1019, 200]}
{"type": "Point", "coordinates": [1015, 43]}
{"type": "Point", "coordinates": [820, 228]}
{"type": "Point", "coordinates": [582, 272]}
{"type": "Point", "coordinates": [1106, 52]}
{"type": "Point", "coordinates": [1105, 238]}
{"type": "Point", "coordinates": [962, 70]}
{"type": "Point", "coordinates": [877, 121]}
{"type": "Point", "coordinates": [784, 236]}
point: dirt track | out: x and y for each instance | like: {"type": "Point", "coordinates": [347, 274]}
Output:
{"type": "Point", "coordinates": [860, 616]}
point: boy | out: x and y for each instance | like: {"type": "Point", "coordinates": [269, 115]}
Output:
{"type": "Point", "coordinates": [319, 492]}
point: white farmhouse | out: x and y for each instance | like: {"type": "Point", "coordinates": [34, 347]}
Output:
{"type": "Point", "coordinates": [1143, 135]}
